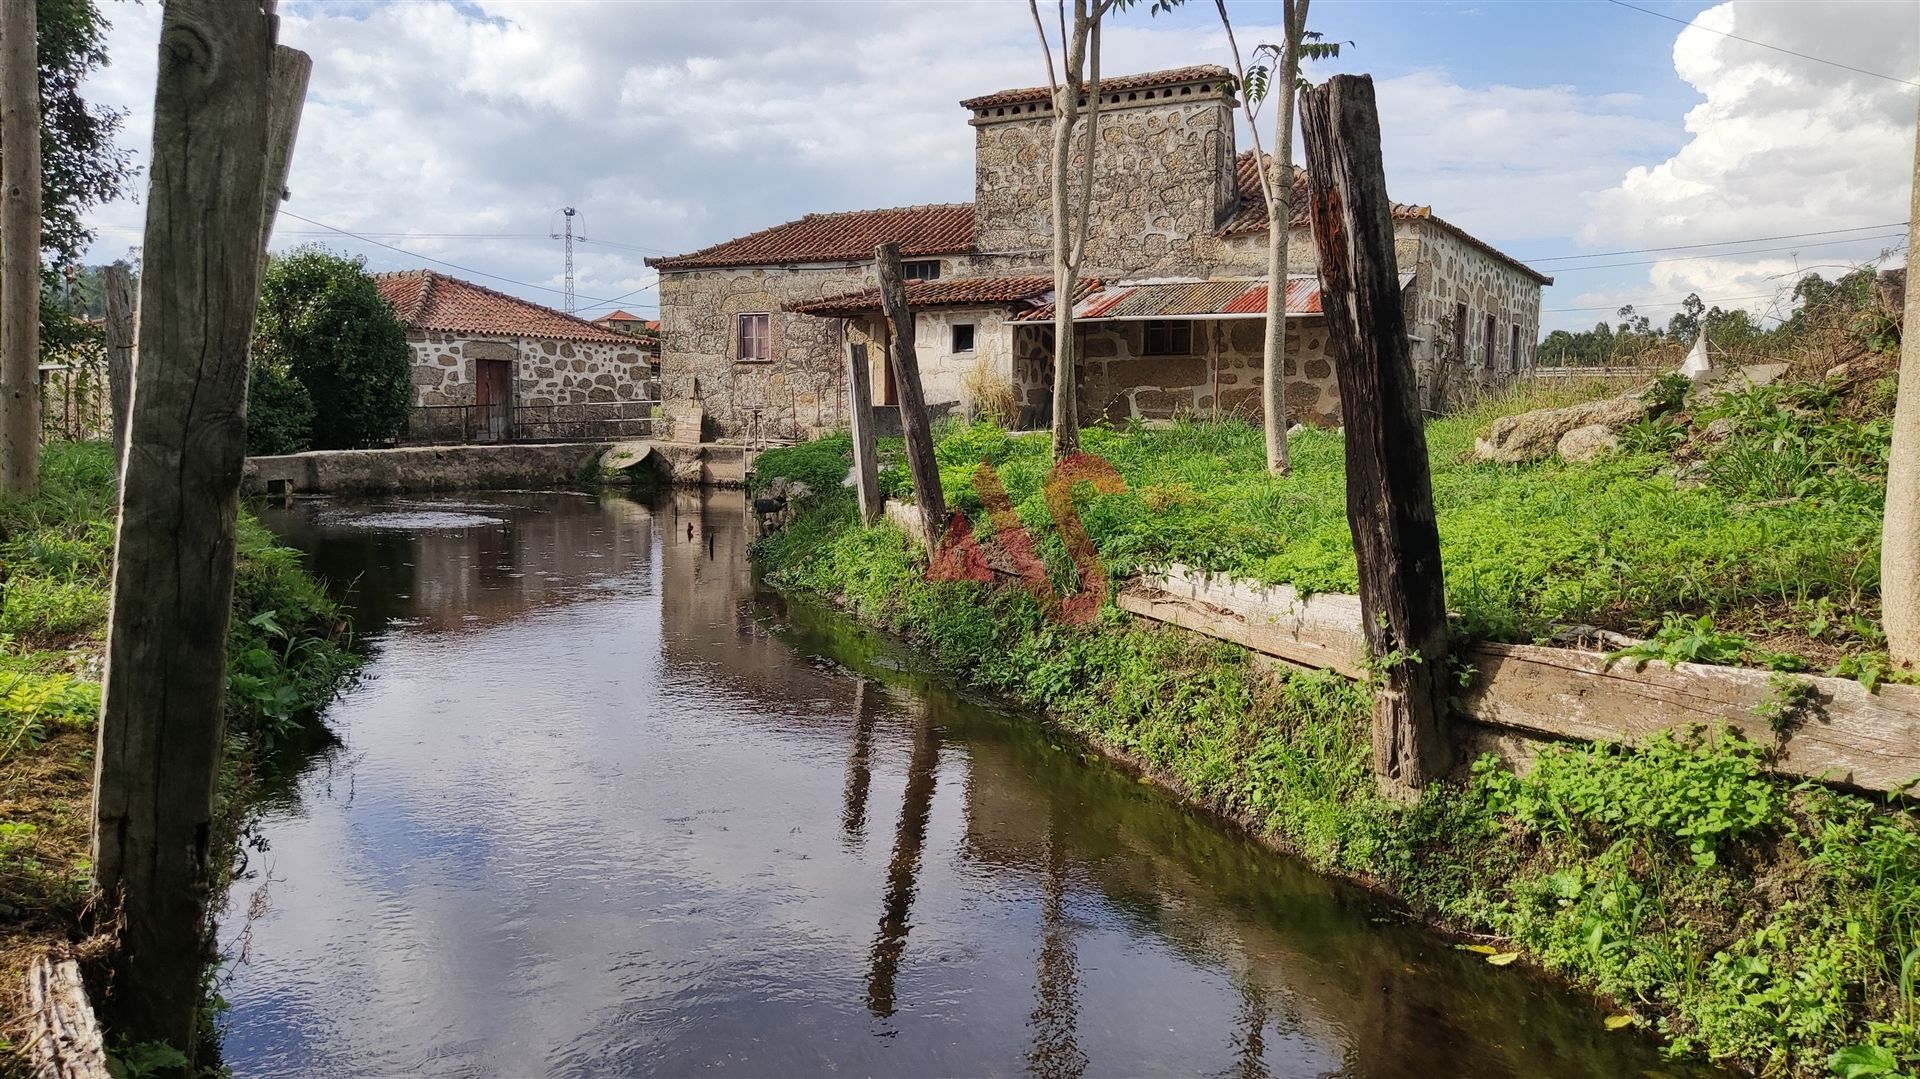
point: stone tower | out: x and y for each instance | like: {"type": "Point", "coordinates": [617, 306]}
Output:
{"type": "Point", "coordinates": [1163, 177]}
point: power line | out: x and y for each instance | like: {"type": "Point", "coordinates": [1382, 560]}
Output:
{"type": "Point", "coordinates": [429, 258]}
{"type": "Point", "coordinates": [1764, 45]}
{"type": "Point", "coordinates": [1729, 254]}
{"type": "Point", "coordinates": [1716, 243]}
{"type": "Point", "coordinates": [1638, 306]}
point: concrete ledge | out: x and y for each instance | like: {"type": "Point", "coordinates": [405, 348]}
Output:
{"type": "Point", "coordinates": [420, 468]}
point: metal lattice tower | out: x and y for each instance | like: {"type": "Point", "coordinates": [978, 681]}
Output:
{"type": "Point", "coordinates": [568, 212]}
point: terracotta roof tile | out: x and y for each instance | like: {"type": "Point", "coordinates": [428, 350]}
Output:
{"type": "Point", "coordinates": [429, 300]}
{"type": "Point", "coordinates": [951, 292]}
{"type": "Point", "coordinates": [619, 316]}
{"type": "Point", "coordinates": [1118, 84]}
{"type": "Point", "coordinates": [845, 237]}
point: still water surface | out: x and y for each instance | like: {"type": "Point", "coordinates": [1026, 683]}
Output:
{"type": "Point", "coordinates": [602, 807]}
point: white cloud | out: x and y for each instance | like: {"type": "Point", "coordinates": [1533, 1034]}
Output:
{"type": "Point", "coordinates": [1780, 145]}
{"type": "Point", "coordinates": [674, 125]}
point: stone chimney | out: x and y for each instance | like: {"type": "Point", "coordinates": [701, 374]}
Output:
{"type": "Point", "coordinates": [1163, 174]}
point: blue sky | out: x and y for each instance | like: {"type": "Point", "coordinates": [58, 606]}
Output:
{"type": "Point", "coordinates": [1548, 129]}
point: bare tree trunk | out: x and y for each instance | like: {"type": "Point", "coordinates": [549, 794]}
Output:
{"type": "Point", "coordinates": [1279, 229]}
{"type": "Point", "coordinates": [1900, 529]}
{"type": "Point", "coordinates": [1389, 489]}
{"type": "Point", "coordinates": [19, 248]}
{"type": "Point", "coordinates": [1066, 112]}
{"type": "Point", "coordinates": [117, 283]}
{"type": "Point", "coordinates": [915, 424]}
{"type": "Point", "coordinates": [163, 722]}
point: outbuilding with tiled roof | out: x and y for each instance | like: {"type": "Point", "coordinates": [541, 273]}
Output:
{"type": "Point", "coordinates": [492, 367]}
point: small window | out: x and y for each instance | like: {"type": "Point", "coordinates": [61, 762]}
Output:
{"type": "Point", "coordinates": [1460, 334]}
{"type": "Point", "coordinates": [1169, 338]}
{"type": "Point", "coordinates": [926, 270]}
{"type": "Point", "coordinates": [963, 337]}
{"type": "Point", "coordinates": [1486, 356]}
{"type": "Point", "coordinates": [756, 338]}
{"type": "Point", "coordinates": [1513, 348]}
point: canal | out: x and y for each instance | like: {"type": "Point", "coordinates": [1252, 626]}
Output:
{"type": "Point", "coordinates": [600, 805]}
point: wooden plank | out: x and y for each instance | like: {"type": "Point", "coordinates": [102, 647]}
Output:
{"type": "Point", "coordinates": [19, 251]}
{"type": "Point", "coordinates": [63, 1037]}
{"type": "Point", "coordinates": [1845, 736]}
{"type": "Point", "coordinates": [914, 421]}
{"type": "Point", "coordinates": [1389, 491]}
{"type": "Point", "coordinates": [117, 283]}
{"type": "Point", "coordinates": [163, 721]}
{"type": "Point", "coordinates": [866, 463]}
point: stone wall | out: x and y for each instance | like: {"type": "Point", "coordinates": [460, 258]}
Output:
{"type": "Point", "coordinates": [1452, 270]}
{"type": "Point", "coordinates": [944, 372]}
{"type": "Point", "coordinates": [1119, 382]}
{"type": "Point", "coordinates": [560, 388]}
{"type": "Point", "coordinates": [1164, 178]}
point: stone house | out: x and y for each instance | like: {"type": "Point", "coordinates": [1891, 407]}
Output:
{"type": "Point", "coordinates": [489, 367]}
{"type": "Point", "coordinates": [1170, 312]}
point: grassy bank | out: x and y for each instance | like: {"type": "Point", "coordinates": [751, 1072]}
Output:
{"type": "Point", "coordinates": [287, 656]}
{"type": "Point", "coordinates": [1749, 920]}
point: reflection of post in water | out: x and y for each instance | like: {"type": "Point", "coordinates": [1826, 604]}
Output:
{"type": "Point", "coordinates": [1056, 1014]}
{"type": "Point", "coordinates": [859, 769]}
{"type": "Point", "coordinates": [903, 868]}
{"type": "Point", "coordinates": [1253, 1038]}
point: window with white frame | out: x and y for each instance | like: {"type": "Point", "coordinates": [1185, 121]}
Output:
{"type": "Point", "coordinates": [756, 337]}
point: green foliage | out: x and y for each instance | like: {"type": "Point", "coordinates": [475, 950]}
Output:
{"type": "Point", "coordinates": [1693, 640]}
{"type": "Point", "coordinates": [81, 164]}
{"type": "Point", "coordinates": [279, 411]}
{"type": "Point", "coordinates": [30, 703]}
{"type": "Point", "coordinates": [1749, 920]}
{"type": "Point", "coordinates": [1787, 440]}
{"type": "Point", "coordinates": [322, 321]}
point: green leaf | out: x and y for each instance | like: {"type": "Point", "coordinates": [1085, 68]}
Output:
{"type": "Point", "coordinates": [1503, 958]}
{"type": "Point", "coordinates": [1856, 1061]}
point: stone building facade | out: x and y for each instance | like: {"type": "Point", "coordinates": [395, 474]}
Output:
{"type": "Point", "coordinates": [492, 367]}
{"type": "Point", "coordinates": [1174, 205]}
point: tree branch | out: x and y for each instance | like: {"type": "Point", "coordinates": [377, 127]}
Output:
{"type": "Point", "coordinates": [1053, 82]}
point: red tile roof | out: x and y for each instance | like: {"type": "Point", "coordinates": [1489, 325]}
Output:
{"type": "Point", "coordinates": [619, 316]}
{"type": "Point", "coordinates": [1250, 214]}
{"type": "Point", "coordinates": [1118, 84]}
{"type": "Point", "coordinates": [951, 292]}
{"type": "Point", "coordinates": [844, 237]}
{"type": "Point", "coordinates": [429, 300]}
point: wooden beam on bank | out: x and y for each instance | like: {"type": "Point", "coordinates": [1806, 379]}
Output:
{"type": "Point", "coordinates": [1843, 735]}
{"type": "Point", "coordinates": [215, 175]}
{"type": "Point", "coordinates": [866, 466]}
{"type": "Point", "coordinates": [915, 424]}
{"type": "Point", "coordinates": [1389, 489]}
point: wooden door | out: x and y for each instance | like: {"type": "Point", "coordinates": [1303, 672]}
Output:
{"type": "Point", "coordinates": [493, 400]}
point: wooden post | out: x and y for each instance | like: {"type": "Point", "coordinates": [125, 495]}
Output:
{"type": "Point", "coordinates": [117, 283]}
{"type": "Point", "coordinates": [1389, 491]}
{"type": "Point", "coordinates": [914, 422]}
{"type": "Point", "coordinates": [866, 468]}
{"type": "Point", "coordinates": [163, 723]}
{"type": "Point", "coordinates": [19, 249]}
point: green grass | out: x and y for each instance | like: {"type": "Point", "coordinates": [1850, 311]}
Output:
{"type": "Point", "coordinates": [1750, 920]}
{"type": "Point", "coordinates": [1620, 543]}
{"type": "Point", "coordinates": [287, 655]}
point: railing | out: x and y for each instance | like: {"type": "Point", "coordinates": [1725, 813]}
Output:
{"type": "Point", "coordinates": [598, 421]}
{"type": "Point", "coordinates": [1598, 371]}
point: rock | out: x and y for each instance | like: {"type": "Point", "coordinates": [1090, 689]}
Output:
{"type": "Point", "coordinates": [1839, 372]}
{"type": "Point", "coordinates": [1531, 436]}
{"type": "Point", "coordinates": [1718, 431]}
{"type": "Point", "coordinates": [1587, 443]}
{"type": "Point", "coordinates": [798, 492]}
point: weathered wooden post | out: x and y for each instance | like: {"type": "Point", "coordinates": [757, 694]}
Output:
{"type": "Point", "coordinates": [914, 421]}
{"type": "Point", "coordinates": [117, 283]}
{"type": "Point", "coordinates": [213, 175]}
{"type": "Point", "coordinates": [19, 249]}
{"type": "Point", "coordinates": [866, 469]}
{"type": "Point", "coordinates": [1389, 490]}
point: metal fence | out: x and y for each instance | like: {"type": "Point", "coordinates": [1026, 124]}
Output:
{"type": "Point", "coordinates": [600, 421]}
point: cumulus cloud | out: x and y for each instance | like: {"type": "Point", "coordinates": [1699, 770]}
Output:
{"type": "Point", "coordinates": [457, 130]}
{"type": "Point", "coordinates": [1779, 145]}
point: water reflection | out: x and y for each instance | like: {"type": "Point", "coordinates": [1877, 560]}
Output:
{"type": "Point", "coordinates": [604, 808]}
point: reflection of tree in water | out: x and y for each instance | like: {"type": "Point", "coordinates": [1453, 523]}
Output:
{"type": "Point", "coordinates": [1252, 1062]}
{"type": "Point", "coordinates": [859, 767]}
{"type": "Point", "coordinates": [916, 805]}
{"type": "Point", "coordinates": [1056, 1012]}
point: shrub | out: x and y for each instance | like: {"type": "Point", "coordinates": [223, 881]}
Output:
{"type": "Point", "coordinates": [279, 411]}
{"type": "Point", "coordinates": [323, 321]}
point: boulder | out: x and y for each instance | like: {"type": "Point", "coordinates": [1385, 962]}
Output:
{"type": "Point", "coordinates": [1718, 431]}
{"type": "Point", "coordinates": [1531, 436]}
{"type": "Point", "coordinates": [1587, 443]}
